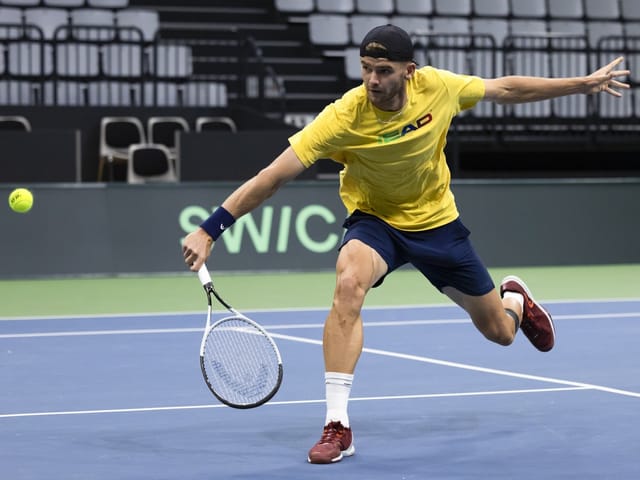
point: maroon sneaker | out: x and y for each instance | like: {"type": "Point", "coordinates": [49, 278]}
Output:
{"type": "Point", "coordinates": [336, 442]}
{"type": "Point", "coordinates": [536, 322]}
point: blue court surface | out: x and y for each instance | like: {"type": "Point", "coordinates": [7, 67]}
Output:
{"type": "Point", "coordinates": [123, 398]}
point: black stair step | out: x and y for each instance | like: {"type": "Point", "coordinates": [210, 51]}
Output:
{"type": "Point", "coordinates": [303, 66]}
{"type": "Point", "coordinates": [301, 87]}
{"type": "Point", "coordinates": [306, 105]}
{"type": "Point", "coordinates": [204, 64]}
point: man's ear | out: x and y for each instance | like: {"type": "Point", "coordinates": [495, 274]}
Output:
{"type": "Point", "coordinates": [411, 69]}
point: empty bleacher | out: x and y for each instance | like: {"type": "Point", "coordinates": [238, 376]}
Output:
{"type": "Point", "coordinates": [264, 54]}
{"type": "Point", "coordinates": [72, 53]}
{"type": "Point", "coordinates": [289, 58]}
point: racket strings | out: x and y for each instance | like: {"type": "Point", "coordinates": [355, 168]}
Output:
{"type": "Point", "coordinates": [240, 361]}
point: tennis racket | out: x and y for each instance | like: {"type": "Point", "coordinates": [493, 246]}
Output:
{"type": "Point", "coordinates": [240, 362]}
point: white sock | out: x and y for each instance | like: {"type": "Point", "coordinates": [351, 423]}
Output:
{"type": "Point", "coordinates": [338, 389]}
{"type": "Point", "coordinates": [516, 296]}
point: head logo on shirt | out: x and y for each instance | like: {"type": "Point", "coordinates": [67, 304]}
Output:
{"type": "Point", "coordinates": [401, 132]}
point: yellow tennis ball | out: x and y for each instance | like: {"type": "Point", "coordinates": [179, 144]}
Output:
{"type": "Point", "coordinates": [21, 200]}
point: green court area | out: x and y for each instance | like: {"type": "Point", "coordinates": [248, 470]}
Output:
{"type": "Point", "coordinates": [178, 293]}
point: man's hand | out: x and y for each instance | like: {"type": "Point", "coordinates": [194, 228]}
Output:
{"type": "Point", "coordinates": [196, 249]}
{"type": "Point", "coordinates": [604, 79]}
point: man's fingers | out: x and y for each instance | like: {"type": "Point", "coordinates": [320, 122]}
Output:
{"type": "Point", "coordinates": [615, 62]}
{"type": "Point", "coordinates": [618, 73]}
{"type": "Point", "coordinates": [189, 259]}
{"type": "Point", "coordinates": [195, 266]}
{"type": "Point", "coordinates": [610, 91]}
{"type": "Point", "coordinates": [618, 84]}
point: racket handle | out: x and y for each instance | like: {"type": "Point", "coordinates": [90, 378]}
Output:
{"type": "Point", "coordinates": [203, 275]}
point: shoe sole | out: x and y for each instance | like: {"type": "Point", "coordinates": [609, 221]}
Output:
{"type": "Point", "coordinates": [345, 453]}
{"type": "Point", "coordinates": [519, 281]}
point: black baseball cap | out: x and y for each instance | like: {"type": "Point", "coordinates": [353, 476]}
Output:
{"type": "Point", "coordinates": [387, 41]}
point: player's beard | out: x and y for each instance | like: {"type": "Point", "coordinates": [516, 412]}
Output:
{"type": "Point", "coordinates": [388, 98]}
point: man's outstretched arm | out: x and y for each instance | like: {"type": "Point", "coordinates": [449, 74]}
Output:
{"type": "Point", "coordinates": [197, 245]}
{"type": "Point", "coordinates": [521, 89]}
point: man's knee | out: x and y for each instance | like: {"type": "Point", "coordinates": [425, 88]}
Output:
{"type": "Point", "coordinates": [349, 293]}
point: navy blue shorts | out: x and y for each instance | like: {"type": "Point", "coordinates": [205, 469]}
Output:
{"type": "Point", "coordinates": [444, 255]}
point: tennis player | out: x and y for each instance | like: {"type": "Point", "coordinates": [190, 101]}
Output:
{"type": "Point", "coordinates": [389, 133]}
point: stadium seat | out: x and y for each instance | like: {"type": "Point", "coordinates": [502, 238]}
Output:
{"type": "Point", "coordinates": [413, 24]}
{"type": "Point", "coordinates": [112, 4]}
{"type": "Point", "coordinates": [148, 21]}
{"type": "Point", "coordinates": [328, 29]}
{"type": "Point", "coordinates": [630, 9]}
{"type": "Point", "coordinates": [352, 66]}
{"type": "Point", "coordinates": [612, 107]}
{"type": "Point", "coordinates": [120, 59]}
{"type": "Point", "coordinates": [602, 9]}
{"type": "Point", "coordinates": [21, 3]}
{"type": "Point", "coordinates": [294, 6]}
{"type": "Point", "coordinates": [450, 25]}
{"type": "Point", "coordinates": [29, 59]}
{"type": "Point", "coordinates": [207, 124]}
{"type": "Point", "coordinates": [375, 6]}
{"type": "Point", "coordinates": [491, 8]}
{"type": "Point", "coordinates": [453, 7]}
{"type": "Point", "coordinates": [47, 19]}
{"type": "Point", "coordinates": [497, 28]}
{"type": "Point", "coordinates": [566, 9]}
{"type": "Point", "coordinates": [63, 3]}
{"type": "Point", "coordinates": [20, 92]}
{"type": "Point", "coordinates": [77, 59]}
{"type": "Point", "coordinates": [92, 17]}
{"type": "Point", "coordinates": [189, 94]}
{"type": "Point", "coordinates": [632, 29]}
{"type": "Point", "coordinates": [568, 27]}
{"type": "Point", "coordinates": [10, 16]}
{"type": "Point", "coordinates": [445, 45]}
{"type": "Point", "coordinates": [527, 27]}
{"type": "Point", "coordinates": [205, 94]}
{"type": "Point", "coordinates": [15, 123]}
{"type": "Point", "coordinates": [361, 24]}
{"type": "Point", "coordinates": [335, 6]}
{"type": "Point", "coordinates": [414, 7]}
{"type": "Point", "coordinates": [529, 8]}
{"type": "Point", "coordinates": [68, 93]}
{"type": "Point", "coordinates": [163, 130]}
{"type": "Point", "coordinates": [598, 30]}
{"type": "Point", "coordinates": [116, 135]}
{"type": "Point", "coordinates": [171, 61]}
{"type": "Point", "coordinates": [149, 163]}
{"type": "Point", "coordinates": [107, 93]}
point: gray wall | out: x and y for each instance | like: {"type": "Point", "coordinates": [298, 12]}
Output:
{"type": "Point", "coordinates": [118, 229]}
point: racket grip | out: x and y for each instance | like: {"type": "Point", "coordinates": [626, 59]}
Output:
{"type": "Point", "coordinates": [203, 275]}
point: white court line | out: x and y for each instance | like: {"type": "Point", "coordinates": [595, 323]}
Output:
{"type": "Point", "coordinates": [299, 326]}
{"type": "Point", "coordinates": [474, 368]}
{"type": "Point", "coordinates": [291, 402]}
{"type": "Point", "coordinates": [445, 304]}
{"type": "Point", "coordinates": [579, 385]}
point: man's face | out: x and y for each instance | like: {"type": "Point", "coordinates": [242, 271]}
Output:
{"type": "Point", "coordinates": [385, 81]}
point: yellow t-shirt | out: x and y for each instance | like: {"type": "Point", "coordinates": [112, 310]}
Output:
{"type": "Point", "coordinates": [394, 163]}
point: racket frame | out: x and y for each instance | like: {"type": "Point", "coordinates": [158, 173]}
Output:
{"type": "Point", "coordinates": [207, 284]}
